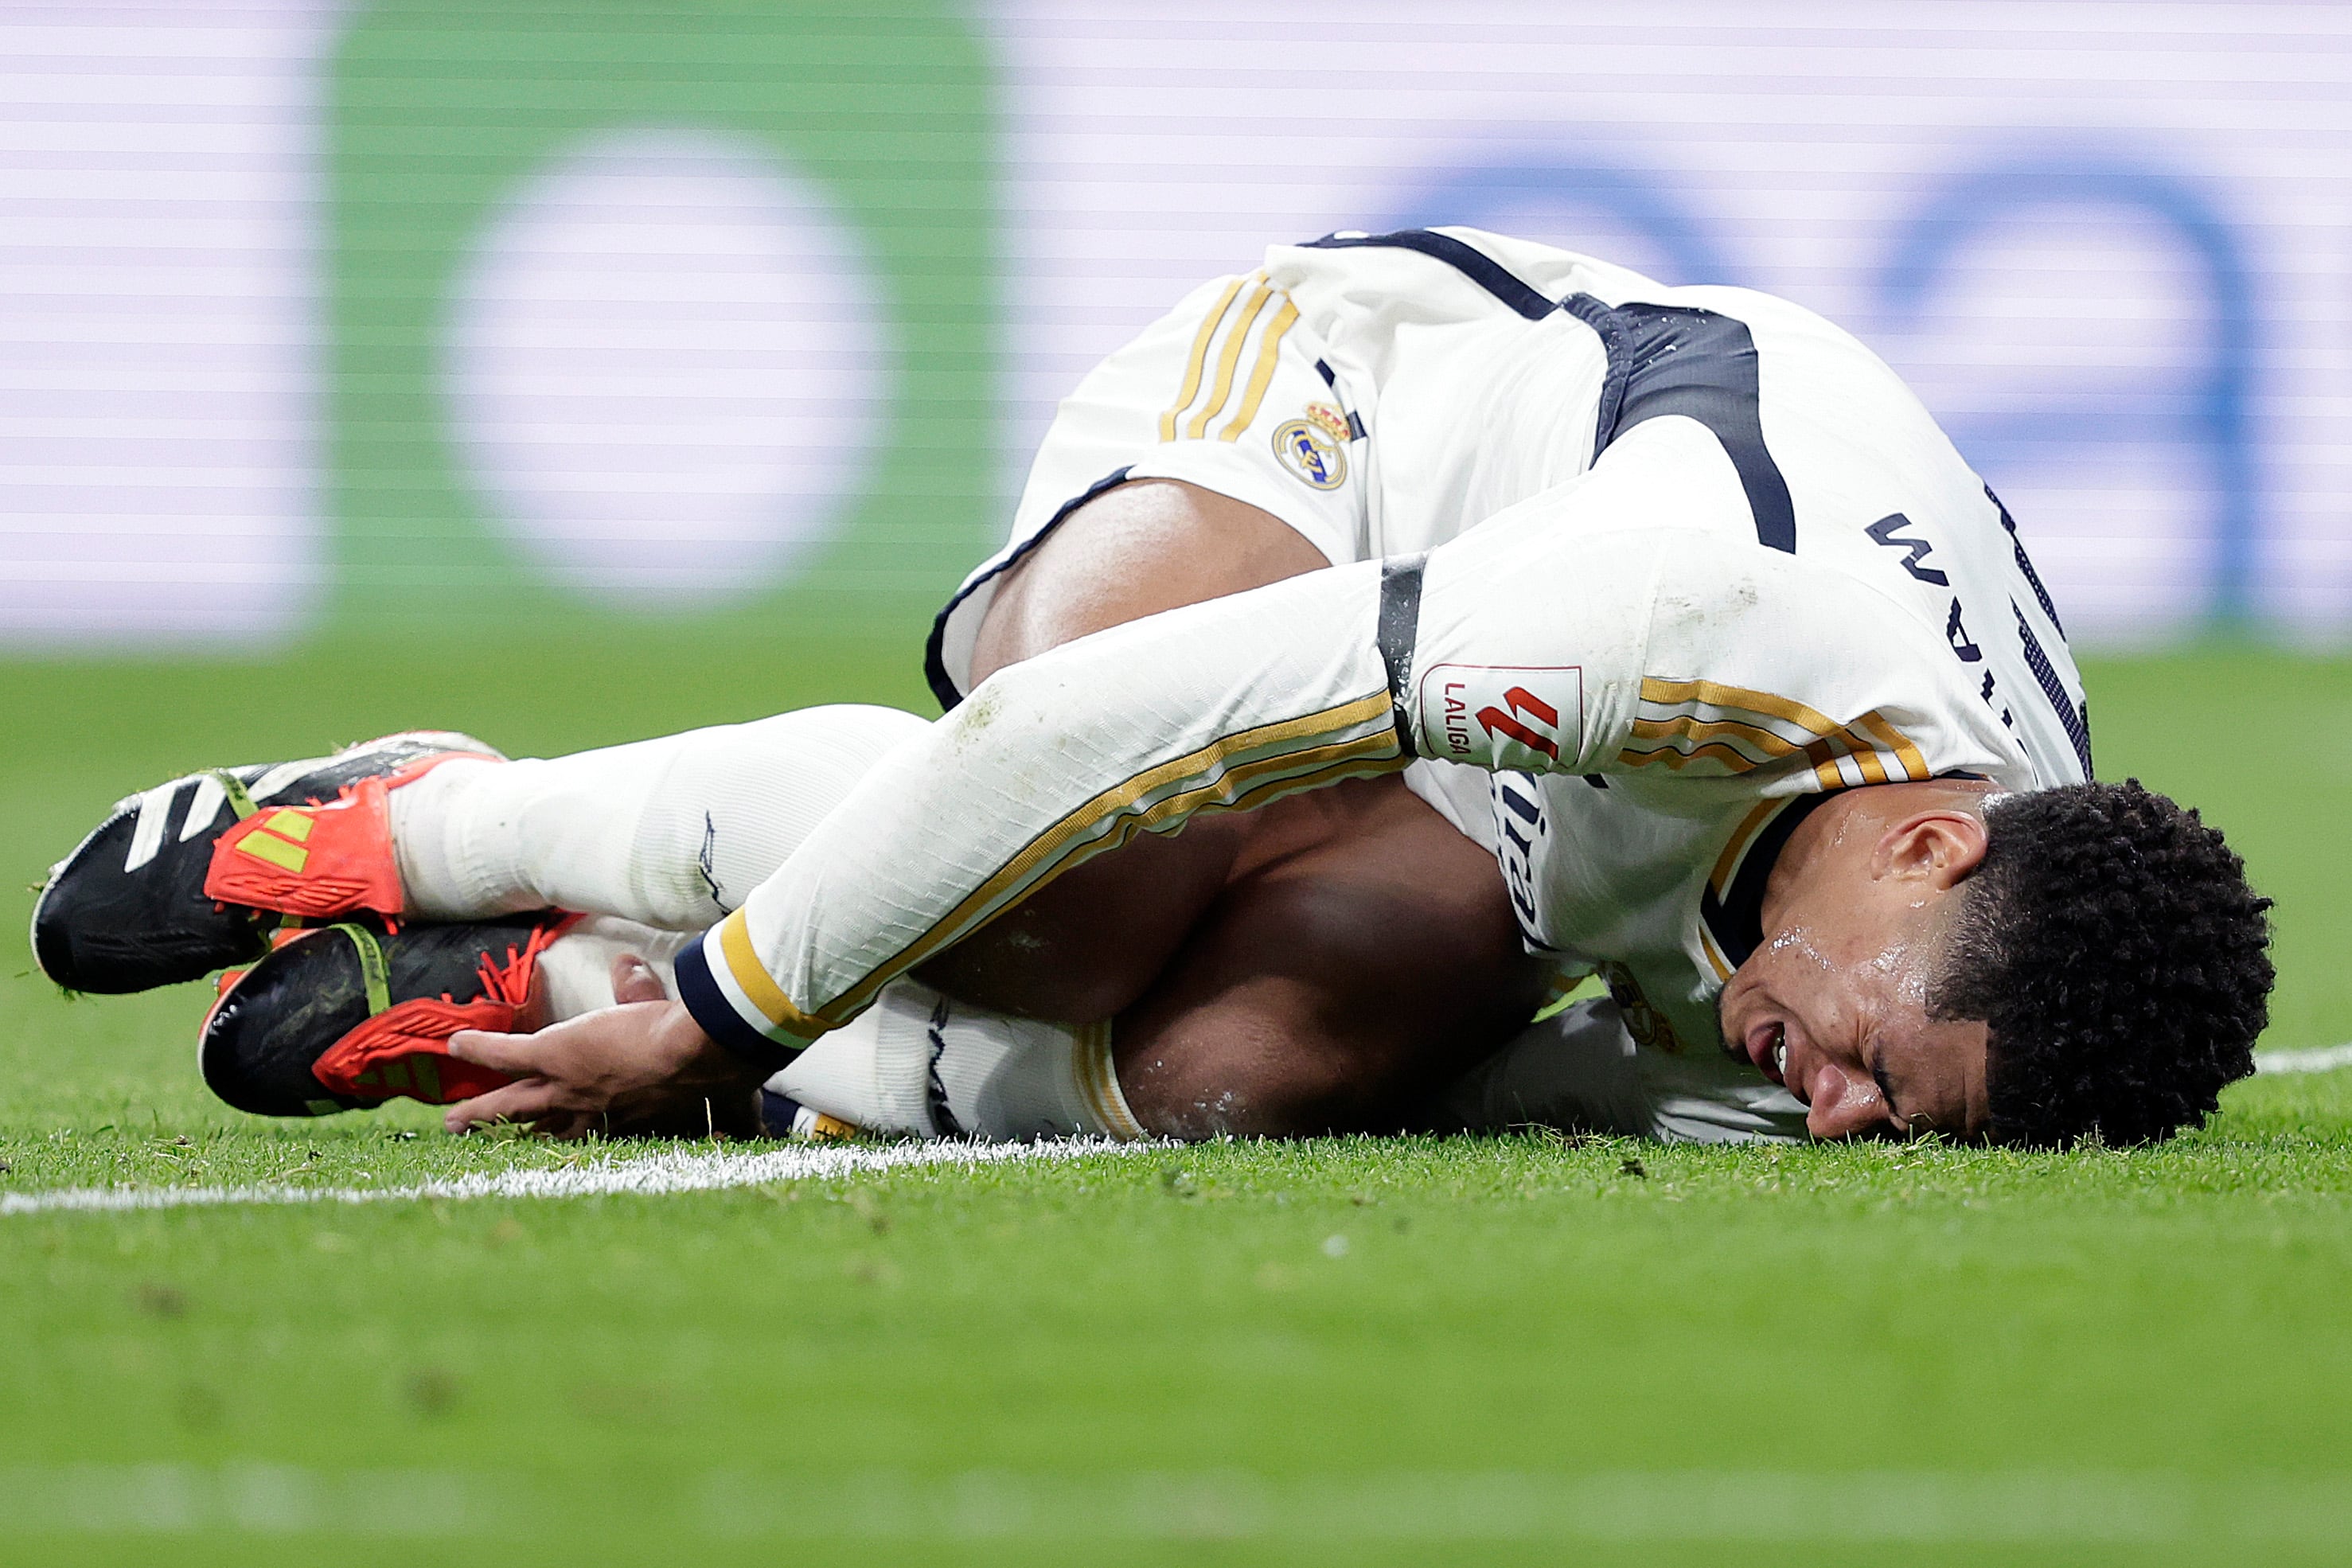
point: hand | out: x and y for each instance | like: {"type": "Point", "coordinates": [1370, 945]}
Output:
{"type": "Point", "coordinates": [616, 1070]}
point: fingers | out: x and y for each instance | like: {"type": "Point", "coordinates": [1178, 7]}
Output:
{"type": "Point", "coordinates": [569, 1075]}
{"type": "Point", "coordinates": [517, 1056]}
{"type": "Point", "coordinates": [531, 1099]}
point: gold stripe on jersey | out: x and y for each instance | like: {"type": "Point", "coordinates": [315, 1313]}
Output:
{"type": "Point", "coordinates": [1687, 721]}
{"type": "Point", "coordinates": [1198, 357]}
{"type": "Point", "coordinates": [1726, 868]}
{"type": "Point", "coordinates": [1692, 727]}
{"type": "Point", "coordinates": [1674, 759]}
{"type": "Point", "coordinates": [1098, 1078]}
{"type": "Point", "coordinates": [1680, 695]}
{"type": "Point", "coordinates": [1915, 764]}
{"type": "Point", "coordinates": [1741, 730]}
{"type": "Point", "coordinates": [1228, 361]}
{"type": "Point", "coordinates": [1247, 784]}
{"type": "Point", "coordinates": [1889, 756]}
{"type": "Point", "coordinates": [1727, 865]}
{"type": "Point", "coordinates": [1268, 346]}
{"type": "Point", "coordinates": [759, 988]}
{"type": "Point", "coordinates": [1727, 741]}
{"type": "Point", "coordinates": [1827, 753]}
{"type": "Point", "coordinates": [1714, 958]}
{"type": "Point", "coordinates": [1353, 740]}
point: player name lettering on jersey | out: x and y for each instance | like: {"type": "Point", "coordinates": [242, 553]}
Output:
{"type": "Point", "coordinates": [1511, 717]}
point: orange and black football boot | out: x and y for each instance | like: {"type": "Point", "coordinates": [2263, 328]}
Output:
{"type": "Point", "coordinates": [195, 874]}
{"type": "Point", "coordinates": [346, 1016]}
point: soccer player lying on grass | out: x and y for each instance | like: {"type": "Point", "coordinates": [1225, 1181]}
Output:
{"type": "Point", "coordinates": [1673, 599]}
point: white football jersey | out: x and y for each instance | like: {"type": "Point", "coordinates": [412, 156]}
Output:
{"type": "Point", "coordinates": [1780, 579]}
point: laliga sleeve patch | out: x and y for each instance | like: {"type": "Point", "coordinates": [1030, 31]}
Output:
{"type": "Point", "coordinates": [1517, 718]}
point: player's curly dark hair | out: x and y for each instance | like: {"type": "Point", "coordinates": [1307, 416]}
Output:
{"type": "Point", "coordinates": [2110, 942]}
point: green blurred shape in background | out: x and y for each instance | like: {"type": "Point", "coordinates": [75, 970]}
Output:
{"type": "Point", "coordinates": [437, 111]}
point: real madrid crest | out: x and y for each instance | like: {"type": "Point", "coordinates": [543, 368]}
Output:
{"type": "Point", "coordinates": [1650, 1028]}
{"type": "Point", "coordinates": [1316, 448]}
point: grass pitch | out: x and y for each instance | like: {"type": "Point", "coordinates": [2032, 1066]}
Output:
{"type": "Point", "coordinates": [1506, 1349]}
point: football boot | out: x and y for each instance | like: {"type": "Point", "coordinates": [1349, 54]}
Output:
{"type": "Point", "coordinates": [346, 1016]}
{"type": "Point", "coordinates": [193, 874]}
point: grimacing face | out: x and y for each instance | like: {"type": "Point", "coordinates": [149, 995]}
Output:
{"type": "Point", "coordinates": [1833, 1004]}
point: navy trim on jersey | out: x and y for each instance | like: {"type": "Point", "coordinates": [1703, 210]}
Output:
{"type": "Point", "coordinates": [1674, 359]}
{"type": "Point", "coordinates": [710, 1009]}
{"type": "Point", "coordinates": [1663, 359]}
{"type": "Point", "coordinates": [1331, 379]}
{"type": "Point", "coordinates": [934, 666]}
{"type": "Point", "coordinates": [2076, 721]}
{"type": "Point", "coordinates": [2025, 562]}
{"type": "Point", "coordinates": [1467, 259]}
{"type": "Point", "coordinates": [1737, 920]}
{"type": "Point", "coordinates": [1398, 632]}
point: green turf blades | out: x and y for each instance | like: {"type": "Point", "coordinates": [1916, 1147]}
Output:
{"type": "Point", "coordinates": [727, 1377]}
{"type": "Point", "coordinates": [1512, 1319]}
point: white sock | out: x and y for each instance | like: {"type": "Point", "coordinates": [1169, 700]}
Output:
{"type": "Point", "coordinates": [576, 968]}
{"type": "Point", "coordinates": [916, 1063]}
{"type": "Point", "coordinates": [674, 832]}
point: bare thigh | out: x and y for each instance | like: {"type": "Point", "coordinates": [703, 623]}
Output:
{"type": "Point", "coordinates": [1321, 964]}
{"type": "Point", "coordinates": [1087, 945]}
{"type": "Point", "coordinates": [1361, 956]}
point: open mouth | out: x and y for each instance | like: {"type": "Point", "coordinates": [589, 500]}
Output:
{"type": "Point", "coordinates": [1767, 1048]}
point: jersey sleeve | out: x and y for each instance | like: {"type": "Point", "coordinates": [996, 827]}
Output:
{"type": "Point", "coordinates": [1557, 637]}
{"type": "Point", "coordinates": [1628, 625]}
{"type": "Point", "coordinates": [1219, 706]}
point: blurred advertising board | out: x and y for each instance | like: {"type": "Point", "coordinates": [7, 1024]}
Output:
{"type": "Point", "coordinates": [411, 314]}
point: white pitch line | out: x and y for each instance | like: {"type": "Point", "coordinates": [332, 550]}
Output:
{"type": "Point", "coordinates": [2328, 1058]}
{"type": "Point", "coordinates": [1889, 1509]}
{"type": "Point", "coordinates": [676, 1170]}
{"type": "Point", "coordinates": [683, 1170]}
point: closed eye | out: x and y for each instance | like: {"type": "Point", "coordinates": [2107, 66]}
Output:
{"type": "Point", "coordinates": [1887, 1095]}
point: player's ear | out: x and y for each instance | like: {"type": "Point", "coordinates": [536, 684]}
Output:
{"type": "Point", "coordinates": [1940, 847]}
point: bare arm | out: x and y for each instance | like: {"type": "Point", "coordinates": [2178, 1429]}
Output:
{"type": "Point", "coordinates": [1293, 969]}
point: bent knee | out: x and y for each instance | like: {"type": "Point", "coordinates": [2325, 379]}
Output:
{"type": "Point", "coordinates": [1132, 552]}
